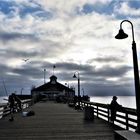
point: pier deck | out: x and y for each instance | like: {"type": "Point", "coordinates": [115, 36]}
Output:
{"type": "Point", "coordinates": [54, 121]}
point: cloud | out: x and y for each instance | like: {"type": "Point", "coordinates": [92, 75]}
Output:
{"type": "Point", "coordinates": [105, 59]}
{"type": "Point", "coordinates": [109, 90]}
{"type": "Point", "coordinates": [54, 33]}
{"type": "Point", "coordinates": [14, 36]}
{"type": "Point", "coordinates": [108, 71]}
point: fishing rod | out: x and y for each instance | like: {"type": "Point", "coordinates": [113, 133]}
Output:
{"type": "Point", "coordinates": [5, 87]}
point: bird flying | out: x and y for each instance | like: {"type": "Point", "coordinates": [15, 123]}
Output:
{"type": "Point", "coordinates": [25, 60]}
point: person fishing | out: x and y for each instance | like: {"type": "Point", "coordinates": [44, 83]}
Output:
{"type": "Point", "coordinates": [14, 103]}
{"type": "Point", "coordinates": [18, 103]}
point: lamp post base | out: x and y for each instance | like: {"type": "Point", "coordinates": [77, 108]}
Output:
{"type": "Point", "coordinates": [77, 107]}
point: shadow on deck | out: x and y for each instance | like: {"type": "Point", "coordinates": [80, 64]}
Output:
{"type": "Point", "coordinates": [54, 121]}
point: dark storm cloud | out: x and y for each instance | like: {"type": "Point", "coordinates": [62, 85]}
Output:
{"type": "Point", "coordinates": [34, 69]}
{"type": "Point", "coordinates": [26, 72]}
{"type": "Point", "coordinates": [29, 72]}
{"type": "Point", "coordinates": [3, 69]}
{"type": "Point", "coordinates": [105, 59]}
{"type": "Point", "coordinates": [97, 84]}
{"type": "Point", "coordinates": [100, 89]}
{"type": "Point", "coordinates": [108, 71]}
{"type": "Point", "coordinates": [73, 66]}
{"type": "Point", "coordinates": [44, 48]}
{"type": "Point", "coordinates": [17, 78]}
{"type": "Point", "coordinates": [6, 36]}
{"type": "Point", "coordinates": [87, 72]}
{"type": "Point", "coordinates": [90, 71]}
{"type": "Point", "coordinates": [11, 53]}
{"type": "Point", "coordinates": [108, 59]}
{"type": "Point", "coordinates": [93, 80]}
{"type": "Point", "coordinates": [16, 83]}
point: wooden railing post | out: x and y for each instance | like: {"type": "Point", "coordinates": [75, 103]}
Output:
{"type": "Point", "coordinates": [126, 115]}
{"type": "Point", "coordinates": [108, 114]}
{"type": "Point", "coordinates": [97, 111]}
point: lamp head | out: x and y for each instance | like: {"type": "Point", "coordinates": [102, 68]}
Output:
{"type": "Point", "coordinates": [121, 35]}
{"type": "Point", "coordinates": [74, 76]}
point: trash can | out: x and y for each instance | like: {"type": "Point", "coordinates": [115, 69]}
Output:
{"type": "Point", "coordinates": [89, 113]}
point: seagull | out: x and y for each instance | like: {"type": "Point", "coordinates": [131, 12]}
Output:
{"type": "Point", "coordinates": [25, 60]}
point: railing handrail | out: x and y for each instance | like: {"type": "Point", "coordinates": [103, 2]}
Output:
{"type": "Point", "coordinates": [5, 110]}
{"type": "Point", "coordinates": [3, 105]}
{"type": "Point", "coordinates": [129, 110]}
{"type": "Point", "coordinates": [103, 110]}
{"type": "Point", "coordinates": [25, 101]}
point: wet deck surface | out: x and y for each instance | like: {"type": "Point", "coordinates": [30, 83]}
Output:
{"type": "Point", "coordinates": [54, 121]}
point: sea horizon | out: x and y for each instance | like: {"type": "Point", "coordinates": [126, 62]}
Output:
{"type": "Point", "coordinates": [3, 99]}
{"type": "Point", "coordinates": [125, 101]}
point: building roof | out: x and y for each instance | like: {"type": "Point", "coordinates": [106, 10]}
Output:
{"type": "Point", "coordinates": [53, 85]}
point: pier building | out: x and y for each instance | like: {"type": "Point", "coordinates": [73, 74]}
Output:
{"type": "Point", "coordinates": [52, 90]}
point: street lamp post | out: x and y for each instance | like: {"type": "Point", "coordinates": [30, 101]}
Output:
{"type": "Point", "coordinates": [44, 76]}
{"type": "Point", "coordinates": [21, 91]}
{"type": "Point", "coordinates": [122, 35]}
{"type": "Point", "coordinates": [67, 84]}
{"type": "Point", "coordinates": [83, 91]}
{"type": "Point", "coordinates": [78, 77]}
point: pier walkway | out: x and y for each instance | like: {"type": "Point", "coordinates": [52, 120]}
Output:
{"type": "Point", "coordinates": [54, 121]}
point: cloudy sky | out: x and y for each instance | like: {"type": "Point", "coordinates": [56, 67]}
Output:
{"type": "Point", "coordinates": [74, 35]}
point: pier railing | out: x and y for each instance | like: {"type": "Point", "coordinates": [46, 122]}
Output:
{"type": "Point", "coordinates": [125, 117]}
{"type": "Point", "coordinates": [5, 110]}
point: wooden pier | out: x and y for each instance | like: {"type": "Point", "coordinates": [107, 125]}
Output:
{"type": "Point", "coordinates": [54, 121]}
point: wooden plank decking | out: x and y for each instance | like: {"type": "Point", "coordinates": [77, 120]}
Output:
{"type": "Point", "coordinates": [54, 121]}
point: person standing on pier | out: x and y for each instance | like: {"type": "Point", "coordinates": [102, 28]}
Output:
{"type": "Point", "coordinates": [18, 103]}
{"type": "Point", "coordinates": [114, 106]}
{"type": "Point", "coordinates": [11, 102]}
{"type": "Point", "coordinates": [14, 102]}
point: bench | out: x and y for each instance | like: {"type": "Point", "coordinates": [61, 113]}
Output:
{"type": "Point", "coordinates": [126, 135]}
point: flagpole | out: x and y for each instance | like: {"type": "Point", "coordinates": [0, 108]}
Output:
{"type": "Point", "coordinates": [44, 76]}
{"type": "Point", "coordinates": [53, 69]}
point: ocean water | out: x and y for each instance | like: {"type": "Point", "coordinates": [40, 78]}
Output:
{"type": "Point", "coordinates": [125, 101]}
{"type": "Point", "coordinates": [3, 99]}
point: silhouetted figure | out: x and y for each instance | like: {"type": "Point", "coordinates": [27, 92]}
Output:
{"type": "Point", "coordinates": [14, 103]}
{"type": "Point", "coordinates": [86, 98]}
{"type": "Point", "coordinates": [114, 106]}
{"type": "Point", "coordinates": [75, 100]}
{"type": "Point", "coordinates": [11, 101]}
{"type": "Point", "coordinates": [18, 103]}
